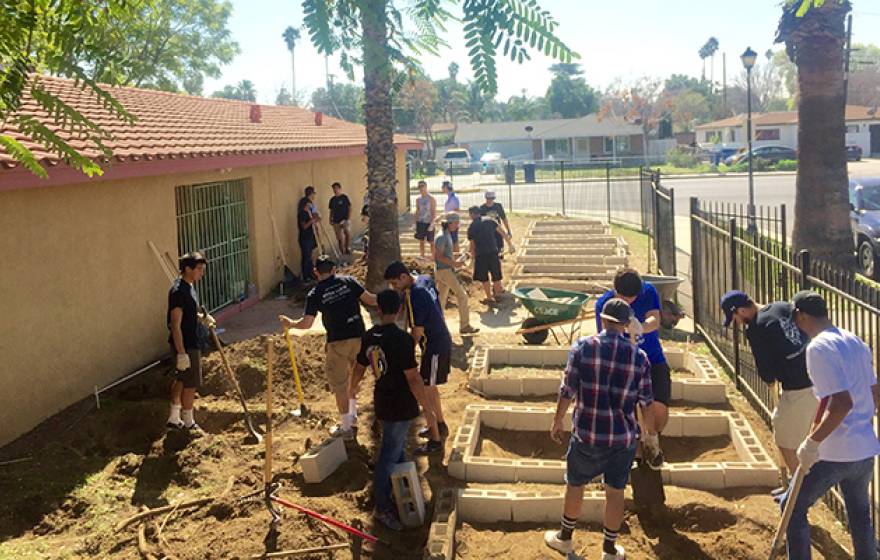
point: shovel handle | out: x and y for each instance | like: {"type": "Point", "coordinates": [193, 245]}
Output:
{"type": "Point", "coordinates": [299, 391]}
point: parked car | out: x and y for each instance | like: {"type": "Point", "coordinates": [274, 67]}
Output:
{"type": "Point", "coordinates": [772, 154]}
{"type": "Point", "coordinates": [457, 159]}
{"type": "Point", "coordinates": [864, 204]}
{"type": "Point", "coordinates": [490, 162]}
{"type": "Point", "coordinates": [853, 153]}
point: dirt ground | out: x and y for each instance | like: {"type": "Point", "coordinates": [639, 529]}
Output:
{"type": "Point", "coordinates": [85, 470]}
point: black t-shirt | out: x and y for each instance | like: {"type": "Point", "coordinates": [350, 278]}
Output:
{"type": "Point", "coordinates": [495, 208]}
{"type": "Point", "coordinates": [779, 347]}
{"type": "Point", "coordinates": [303, 216]}
{"type": "Point", "coordinates": [391, 352]}
{"type": "Point", "coordinates": [184, 296]}
{"type": "Point", "coordinates": [337, 298]}
{"type": "Point", "coordinates": [482, 233]}
{"type": "Point", "coordinates": [340, 207]}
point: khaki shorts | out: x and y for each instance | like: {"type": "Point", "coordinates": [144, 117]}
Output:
{"type": "Point", "coordinates": [793, 417]}
{"type": "Point", "coordinates": [341, 355]}
{"type": "Point", "coordinates": [344, 225]}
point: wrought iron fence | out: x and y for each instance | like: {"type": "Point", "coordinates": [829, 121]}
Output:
{"type": "Point", "coordinates": [728, 254]}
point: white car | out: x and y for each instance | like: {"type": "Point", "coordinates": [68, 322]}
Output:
{"type": "Point", "coordinates": [457, 159]}
{"type": "Point", "coordinates": [490, 161]}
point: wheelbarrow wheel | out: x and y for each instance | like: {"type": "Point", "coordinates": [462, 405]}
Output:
{"type": "Point", "coordinates": [537, 337]}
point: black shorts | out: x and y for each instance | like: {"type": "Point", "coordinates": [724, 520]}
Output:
{"type": "Point", "coordinates": [191, 378]}
{"type": "Point", "coordinates": [435, 368]}
{"type": "Point", "coordinates": [485, 265]}
{"type": "Point", "coordinates": [661, 381]}
{"type": "Point", "coordinates": [422, 231]}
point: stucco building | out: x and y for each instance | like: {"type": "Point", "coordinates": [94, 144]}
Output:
{"type": "Point", "coordinates": [84, 296]}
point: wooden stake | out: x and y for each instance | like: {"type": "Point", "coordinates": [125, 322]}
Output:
{"type": "Point", "coordinates": [267, 467]}
{"type": "Point", "coordinates": [303, 551]}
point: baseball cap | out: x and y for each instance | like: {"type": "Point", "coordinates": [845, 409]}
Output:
{"type": "Point", "coordinates": [730, 302]}
{"type": "Point", "coordinates": [811, 303]}
{"type": "Point", "coordinates": [617, 311]}
{"type": "Point", "coordinates": [451, 218]}
{"type": "Point", "coordinates": [490, 195]}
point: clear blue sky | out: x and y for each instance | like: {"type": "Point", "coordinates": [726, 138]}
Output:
{"type": "Point", "coordinates": [619, 39]}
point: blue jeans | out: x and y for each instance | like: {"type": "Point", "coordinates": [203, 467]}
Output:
{"type": "Point", "coordinates": [853, 478]}
{"type": "Point", "coordinates": [586, 462]}
{"type": "Point", "coordinates": [390, 454]}
{"type": "Point", "coordinates": [306, 247]}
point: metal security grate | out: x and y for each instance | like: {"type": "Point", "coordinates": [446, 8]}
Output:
{"type": "Point", "coordinates": [213, 218]}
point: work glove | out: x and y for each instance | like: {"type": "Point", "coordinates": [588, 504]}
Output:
{"type": "Point", "coordinates": [208, 320]}
{"type": "Point", "coordinates": [808, 454]}
{"type": "Point", "coordinates": [511, 248]}
{"type": "Point", "coordinates": [183, 362]}
{"type": "Point", "coordinates": [634, 327]}
{"type": "Point", "coordinates": [652, 442]}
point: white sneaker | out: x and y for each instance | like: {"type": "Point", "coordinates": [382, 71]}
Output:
{"type": "Point", "coordinates": [553, 541]}
{"type": "Point", "coordinates": [347, 435]}
{"type": "Point", "coordinates": [619, 554]}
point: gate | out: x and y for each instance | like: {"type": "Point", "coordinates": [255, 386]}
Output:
{"type": "Point", "coordinates": [212, 218]}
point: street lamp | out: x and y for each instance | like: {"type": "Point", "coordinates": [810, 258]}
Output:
{"type": "Point", "coordinates": [749, 57]}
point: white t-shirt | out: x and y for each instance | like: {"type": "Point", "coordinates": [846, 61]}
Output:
{"type": "Point", "coordinates": [838, 360]}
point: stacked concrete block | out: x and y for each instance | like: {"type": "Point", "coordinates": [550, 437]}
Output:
{"type": "Point", "coordinates": [487, 506]}
{"type": "Point", "coordinates": [702, 476]}
{"type": "Point", "coordinates": [441, 535]}
{"type": "Point", "coordinates": [322, 460]}
{"type": "Point", "coordinates": [407, 491]}
{"type": "Point", "coordinates": [484, 506]}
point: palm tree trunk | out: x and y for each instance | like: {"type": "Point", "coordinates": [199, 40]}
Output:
{"type": "Point", "coordinates": [293, 78]}
{"type": "Point", "coordinates": [381, 176]}
{"type": "Point", "coordinates": [821, 215]}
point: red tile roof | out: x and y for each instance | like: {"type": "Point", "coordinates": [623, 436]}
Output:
{"type": "Point", "coordinates": [172, 126]}
{"type": "Point", "coordinates": [853, 113]}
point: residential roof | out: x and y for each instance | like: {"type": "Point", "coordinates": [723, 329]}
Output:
{"type": "Point", "coordinates": [853, 113]}
{"type": "Point", "coordinates": [589, 125]}
{"type": "Point", "coordinates": [174, 126]}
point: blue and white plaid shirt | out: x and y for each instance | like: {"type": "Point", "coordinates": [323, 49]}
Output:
{"type": "Point", "coordinates": [606, 376]}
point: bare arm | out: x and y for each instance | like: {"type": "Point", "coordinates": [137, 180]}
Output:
{"type": "Point", "coordinates": [418, 333]}
{"type": "Point", "coordinates": [354, 381]}
{"type": "Point", "coordinates": [652, 321]}
{"type": "Point", "coordinates": [561, 409]}
{"type": "Point", "coordinates": [176, 333]}
{"type": "Point", "coordinates": [839, 405]}
{"type": "Point", "coordinates": [417, 387]}
{"type": "Point", "coordinates": [433, 209]}
{"type": "Point", "coordinates": [506, 224]}
{"type": "Point", "coordinates": [368, 298]}
{"type": "Point", "coordinates": [303, 324]}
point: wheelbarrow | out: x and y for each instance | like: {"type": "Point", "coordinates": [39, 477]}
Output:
{"type": "Point", "coordinates": [552, 309]}
{"type": "Point", "coordinates": [667, 289]}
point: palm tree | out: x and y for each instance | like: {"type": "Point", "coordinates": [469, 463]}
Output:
{"type": "Point", "coordinates": [706, 51]}
{"type": "Point", "coordinates": [291, 36]}
{"type": "Point", "coordinates": [246, 90]}
{"type": "Point", "coordinates": [453, 71]}
{"type": "Point", "coordinates": [375, 29]}
{"type": "Point", "coordinates": [814, 39]}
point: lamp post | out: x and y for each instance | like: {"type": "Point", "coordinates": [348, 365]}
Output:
{"type": "Point", "coordinates": [749, 57]}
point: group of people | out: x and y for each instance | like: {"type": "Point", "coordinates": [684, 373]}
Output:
{"type": "Point", "coordinates": [308, 220]}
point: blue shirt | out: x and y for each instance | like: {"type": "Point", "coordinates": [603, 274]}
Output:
{"type": "Point", "coordinates": [645, 302]}
{"type": "Point", "coordinates": [426, 313]}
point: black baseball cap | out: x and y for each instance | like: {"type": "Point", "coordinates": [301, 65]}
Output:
{"type": "Point", "coordinates": [811, 303]}
{"type": "Point", "coordinates": [731, 301]}
{"type": "Point", "coordinates": [617, 311]}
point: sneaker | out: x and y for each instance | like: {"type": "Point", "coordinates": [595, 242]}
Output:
{"type": "Point", "coordinates": [619, 554]}
{"type": "Point", "coordinates": [174, 426]}
{"type": "Point", "coordinates": [553, 541]}
{"type": "Point", "coordinates": [194, 431]}
{"type": "Point", "coordinates": [431, 447]}
{"type": "Point", "coordinates": [347, 435]}
{"type": "Point", "coordinates": [441, 427]}
{"type": "Point", "coordinates": [468, 330]}
{"type": "Point", "coordinates": [389, 519]}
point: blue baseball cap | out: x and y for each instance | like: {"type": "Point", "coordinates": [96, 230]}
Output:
{"type": "Point", "coordinates": [731, 301]}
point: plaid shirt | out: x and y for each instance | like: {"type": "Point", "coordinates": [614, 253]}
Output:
{"type": "Point", "coordinates": [606, 376]}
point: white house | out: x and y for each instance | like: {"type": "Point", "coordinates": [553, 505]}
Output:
{"type": "Point", "coordinates": [780, 129]}
{"type": "Point", "coordinates": [584, 138]}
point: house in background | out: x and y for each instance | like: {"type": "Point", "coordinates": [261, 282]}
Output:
{"type": "Point", "coordinates": [84, 294]}
{"type": "Point", "coordinates": [780, 129]}
{"type": "Point", "coordinates": [584, 138]}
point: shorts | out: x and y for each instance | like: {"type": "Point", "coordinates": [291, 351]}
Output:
{"type": "Point", "coordinates": [486, 265]}
{"type": "Point", "coordinates": [341, 355]}
{"type": "Point", "coordinates": [454, 236]}
{"type": "Point", "coordinates": [191, 378]}
{"type": "Point", "coordinates": [586, 462]}
{"type": "Point", "coordinates": [343, 226]}
{"type": "Point", "coordinates": [661, 382]}
{"type": "Point", "coordinates": [435, 368]}
{"type": "Point", "coordinates": [793, 417]}
{"type": "Point", "coordinates": [422, 231]}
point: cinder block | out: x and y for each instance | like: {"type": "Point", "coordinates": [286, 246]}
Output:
{"type": "Point", "coordinates": [484, 506]}
{"type": "Point", "coordinates": [321, 461]}
{"type": "Point", "coordinates": [490, 469]}
{"type": "Point", "coordinates": [499, 354]}
{"type": "Point", "coordinates": [455, 466]}
{"type": "Point", "coordinates": [674, 357]}
{"type": "Point", "coordinates": [673, 427]}
{"type": "Point", "coordinates": [494, 416]}
{"type": "Point", "coordinates": [704, 424]}
{"type": "Point", "coordinates": [533, 507]}
{"type": "Point", "coordinates": [407, 490]}
{"type": "Point", "coordinates": [541, 385]}
{"type": "Point", "coordinates": [540, 471]}
{"type": "Point", "coordinates": [677, 390]}
{"type": "Point", "coordinates": [438, 550]}
{"type": "Point", "coordinates": [530, 420]}
{"type": "Point", "coordinates": [700, 391]}
{"type": "Point", "coordinates": [743, 474]}
{"type": "Point", "coordinates": [702, 476]}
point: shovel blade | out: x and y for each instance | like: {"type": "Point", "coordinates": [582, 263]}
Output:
{"type": "Point", "coordinates": [647, 486]}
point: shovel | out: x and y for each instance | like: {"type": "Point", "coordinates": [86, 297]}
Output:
{"type": "Point", "coordinates": [254, 436]}
{"type": "Point", "coordinates": [647, 483]}
{"type": "Point", "coordinates": [302, 410]}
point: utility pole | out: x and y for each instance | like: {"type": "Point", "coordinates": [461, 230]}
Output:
{"type": "Point", "coordinates": [724, 81]}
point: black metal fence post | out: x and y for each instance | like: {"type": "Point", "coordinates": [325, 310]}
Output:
{"type": "Point", "coordinates": [734, 284]}
{"type": "Point", "coordinates": [805, 269]}
{"type": "Point", "coordinates": [696, 273]}
{"type": "Point", "coordinates": [562, 184]}
{"type": "Point", "coordinates": [511, 177]}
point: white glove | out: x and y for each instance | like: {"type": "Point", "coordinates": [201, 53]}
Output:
{"type": "Point", "coordinates": [183, 362]}
{"type": "Point", "coordinates": [511, 248]}
{"type": "Point", "coordinates": [634, 327]}
{"type": "Point", "coordinates": [431, 226]}
{"type": "Point", "coordinates": [652, 442]}
{"type": "Point", "coordinates": [208, 320]}
{"type": "Point", "coordinates": [808, 454]}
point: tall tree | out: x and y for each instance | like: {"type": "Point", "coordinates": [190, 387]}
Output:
{"type": "Point", "coordinates": [453, 71]}
{"type": "Point", "coordinates": [569, 96]}
{"type": "Point", "coordinates": [344, 101]}
{"type": "Point", "coordinates": [291, 36]}
{"type": "Point", "coordinates": [814, 35]}
{"type": "Point", "coordinates": [243, 91]}
{"type": "Point", "coordinates": [417, 100]}
{"type": "Point", "coordinates": [639, 102]}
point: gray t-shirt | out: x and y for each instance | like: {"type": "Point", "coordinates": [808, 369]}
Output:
{"type": "Point", "coordinates": [443, 244]}
{"type": "Point", "coordinates": [423, 209]}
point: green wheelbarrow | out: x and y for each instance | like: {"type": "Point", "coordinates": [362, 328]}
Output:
{"type": "Point", "coordinates": [551, 309]}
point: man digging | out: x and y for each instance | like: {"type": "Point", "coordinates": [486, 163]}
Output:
{"type": "Point", "coordinates": [606, 377]}
{"type": "Point", "coordinates": [445, 267]}
{"type": "Point", "coordinates": [398, 392]}
{"type": "Point", "coordinates": [182, 318]}
{"type": "Point", "coordinates": [338, 300]}
{"type": "Point", "coordinates": [428, 328]}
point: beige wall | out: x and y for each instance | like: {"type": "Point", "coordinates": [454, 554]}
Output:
{"type": "Point", "coordinates": [83, 296]}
